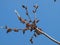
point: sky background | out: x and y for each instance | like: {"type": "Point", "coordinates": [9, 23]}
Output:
{"type": "Point", "coordinates": [48, 13]}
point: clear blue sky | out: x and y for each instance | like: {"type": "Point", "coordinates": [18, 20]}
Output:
{"type": "Point", "coordinates": [48, 14]}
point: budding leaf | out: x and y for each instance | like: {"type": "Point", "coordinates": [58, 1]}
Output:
{"type": "Point", "coordinates": [24, 6]}
{"type": "Point", "coordinates": [35, 6]}
{"type": "Point", "coordinates": [15, 30]}
{"type": "Point", "coordinates": [31, 41]}
{"type": "Point", "coordinates": [9, 30]}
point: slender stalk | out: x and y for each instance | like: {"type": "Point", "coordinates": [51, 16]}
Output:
{"type": "Point", "coordinates": [35, 17]}
{"type": "Point", "coordinates": [48, 36]}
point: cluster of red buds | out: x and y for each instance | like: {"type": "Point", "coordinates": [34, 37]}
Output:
{"type": "Point", "coordinates": [29, 26]}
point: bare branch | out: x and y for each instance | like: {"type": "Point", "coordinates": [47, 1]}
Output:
{"type": "Point", "coordinates": [25, 7]}
{"type": "Point", "coordinates": [22, 20]}
{"type": "Point", "coordinates": [30, 26]}
{"type": "Point", "coordinates": [52, 39]}
{"type": "Point", "coordinates": [34, 11]}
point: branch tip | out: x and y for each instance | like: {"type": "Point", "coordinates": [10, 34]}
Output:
{"type": "Point", "coordinates": [16, 13]}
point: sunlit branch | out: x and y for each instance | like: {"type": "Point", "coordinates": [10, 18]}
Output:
{"type": "Point", "coordinates": [13, 29]}
{"type": "Point", "coordinates": [52, 39]}
{"type": "Point", "coordinates": [22, 20]}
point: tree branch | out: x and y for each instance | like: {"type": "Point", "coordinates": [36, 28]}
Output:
{"type": "Point", "coordinates": [45, 34]}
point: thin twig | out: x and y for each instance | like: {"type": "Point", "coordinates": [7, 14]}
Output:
{"type": "Point", "coordinates": [25, 7]}
{"type": "Point", "coordinates": [19, 17]}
